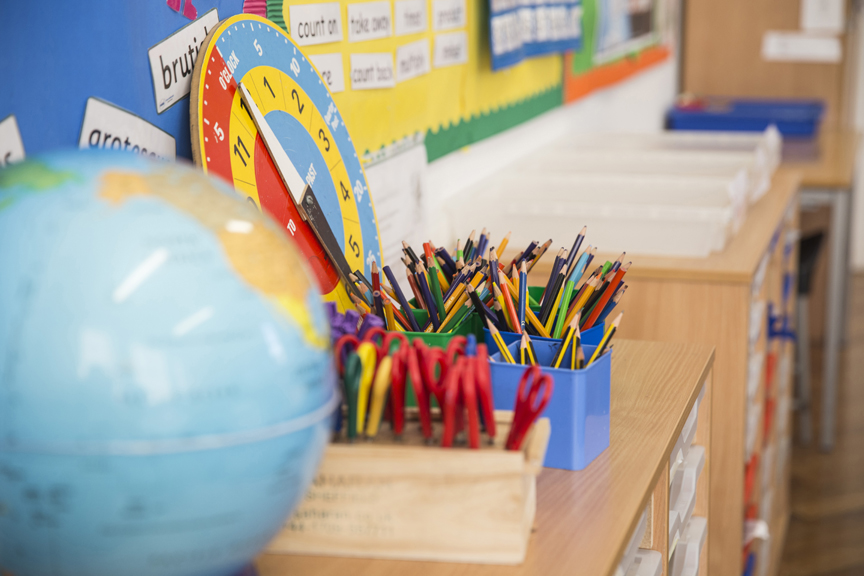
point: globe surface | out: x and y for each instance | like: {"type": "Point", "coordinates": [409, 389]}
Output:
{"type": "Point", "coordinates": [165, 381]}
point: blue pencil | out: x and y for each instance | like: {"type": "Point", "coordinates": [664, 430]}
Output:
{"type": "Point", "coordinates": [406, 309]}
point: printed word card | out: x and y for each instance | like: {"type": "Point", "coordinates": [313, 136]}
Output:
{"type": "Point", "coordinates": [110, 127]}
{"type": "Point", "coordinates": [369, 21]}
{"type": "Point", "coordinates": [172, 60]}
{"type": "Point", "coordinates": [410, 16]}
{"type": "Point", "coordinates": [315, 23]}
{"type": "Point", "coordinates": [451, 49]}
{"type": "Point", "coordinates": [412, 60]}
{"type": "Point", "coordinates": [370, 71]}
{"type": "Point", "coordinates": [330, 67]}
{"type": "Point", "coordinates": [11, 146]}
{"type": "Point", "coordinates": [448, 14]}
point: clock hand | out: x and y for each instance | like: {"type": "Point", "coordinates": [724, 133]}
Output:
{"type": "Point", "coordinates": [306, 201]}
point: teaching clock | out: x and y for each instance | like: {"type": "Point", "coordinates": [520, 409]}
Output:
{"type": "Point", "coordinates": [264, 120]}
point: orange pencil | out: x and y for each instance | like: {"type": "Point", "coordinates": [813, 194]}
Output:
{"type": "Point", "coordinates": [604, 299]}
{"type": "Point", "coordinates": [511, 311]}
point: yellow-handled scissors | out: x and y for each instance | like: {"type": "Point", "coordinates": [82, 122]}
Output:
{"type": "Point", "coordinates": [368, 354]}
{"type": "Point", "coordinates": [380, 388]}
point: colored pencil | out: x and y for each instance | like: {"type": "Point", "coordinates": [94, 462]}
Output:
{"type": "Point", "coordinates": [607, 294]}
{"type": "Point", "coordinates": [523, 295]}
{"type": "Point", "coordinates": [499, 342]}
{"type": "Point", "coordinates": [610, 332]}
{"type": "Point", "coordinates": [503, 245]}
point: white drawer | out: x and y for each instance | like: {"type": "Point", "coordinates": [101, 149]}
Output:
{"type": "Point", "coordinates": [633, 546]}
{"type": "Point", "coordinates": [685, 440]}
{"type": "Point", "coordinates": [646, 563]}
{"type": "Point", "coordinates": [685, 560]}
{"type": "Point", "coordinates": [682, 495]}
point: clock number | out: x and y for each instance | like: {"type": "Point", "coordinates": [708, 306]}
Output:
{"type": "Point", "coordinates": [237, 150]}
{"type": "Point", "coordinates": [257, 47]}
{"type": "Point", "coordinates": [267, 85]}
{"type": "Point", "coordinates": [322, 136]}
{"type": "Point", "coordinates": [346, 194]}
{"type": "Point", "coordinates": [354, 246]}
{"type": "Point", "coordinates": [292, 227]}
{"type": "Point", "coordinates": [295, 66]}
{"type": "Point", "coordinates": [220, 134]}
{"type": "Point", "coordinates": [296, 96]}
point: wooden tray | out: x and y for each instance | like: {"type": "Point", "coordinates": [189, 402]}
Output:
{"type": "Point", "coordinates": [410, 501]}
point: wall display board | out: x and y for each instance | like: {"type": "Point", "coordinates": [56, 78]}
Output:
{"type": "Point", "coordinates": [520, 29]}
{"type": "Point", "coordinates": [402, 67]}
{"type": "Point", "coordinates": [296, 104]}
{"type": "Point", "coordinates": [137, 57]}
{"type": "Point", "coordinates": [621, 38]}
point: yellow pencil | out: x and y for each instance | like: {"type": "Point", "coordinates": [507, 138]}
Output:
{"type": "Point", "coordinates": [499, 342]}
{"type": "Point", "coordinates": [601, 348]}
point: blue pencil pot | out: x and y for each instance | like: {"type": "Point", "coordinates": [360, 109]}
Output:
{"type": "Point", "coordinates": [590, 337]}
{"type": "Point", "coordinates": [578, 410]}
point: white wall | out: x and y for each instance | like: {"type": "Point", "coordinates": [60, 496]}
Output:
{"type": "Point", "coordinates": [409, 193]}
{"type": "Point", "coordinates": [636, 105]}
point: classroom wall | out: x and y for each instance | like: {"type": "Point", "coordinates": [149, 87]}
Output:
{"type": "Point", "coordinates": [410, 195]}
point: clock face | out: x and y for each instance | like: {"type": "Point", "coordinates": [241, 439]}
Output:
{"type": "Point", "coordinates": [299, 108]}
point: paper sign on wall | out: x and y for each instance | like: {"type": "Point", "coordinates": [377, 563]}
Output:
{"type": "Point", "coordinates": [315, 23]}
{"type": "Point", "coordinates": [448, 14]}
{"type": "Point", "coordinates": [110, 127]}
{"type": "Point", "coordinates": [172, 60]}
{"type": "Point", "coordinates": [800, 47]}
{"type": "Point", "coordinates": [412, 60]}
{"type": "Point", "coordinates": [410, 16]}
{"type": "Point", "coordinates": [370, 71]}
{"type": "Point", "coordinates": [451, 49]}
{"type": "Point", "coordinates": [822, 16]}
{"type": "Point", "coordinates": [11, 146]}
{"type": "Point", "coordinates": [369, 21]}
{"type": "Point", "coordinates": [330, 67]}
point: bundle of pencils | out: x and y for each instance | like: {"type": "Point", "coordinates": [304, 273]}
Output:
{"type": "Point", "coordinates": [450, 286]}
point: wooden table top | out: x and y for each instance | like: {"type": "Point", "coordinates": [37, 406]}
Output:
{"type": "Point", "coordinates": [584, 519]}
{"type": "Point", "coordinates": [736, 263]}
{"type": "Point", "coordinates": [835, 166]}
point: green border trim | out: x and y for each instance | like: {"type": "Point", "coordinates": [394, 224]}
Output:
{"type": "Point", "coordinates": [467, 132]}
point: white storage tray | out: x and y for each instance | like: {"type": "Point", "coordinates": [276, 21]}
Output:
{"type": "Point", "coordinates": [629, 555]}
{"type": "Point", "coordinates": [668, 230]}
{"type": "Point", "coordinates": [685, 561]}
{"type": "Point", "coordinates": [685, 439]}
{"type": "Point", "coordinates": [646, 563]}
{"type": "Point", "coordinates": [682, 493]}
{"type": "Point", "coordinates": [767, 146]}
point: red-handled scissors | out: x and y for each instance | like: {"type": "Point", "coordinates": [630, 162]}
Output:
{"type": "Point", "coordinates": [530, 404]}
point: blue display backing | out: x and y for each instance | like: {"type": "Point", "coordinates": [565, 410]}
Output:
{"type": "Point", "coordinates": [58, 54]}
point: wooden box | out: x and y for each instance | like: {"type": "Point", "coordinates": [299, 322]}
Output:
{"type": "Point", "coordinates": [414, 502]}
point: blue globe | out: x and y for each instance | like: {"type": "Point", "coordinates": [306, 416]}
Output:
{"type": "Point", "coordinates": [165, 379]}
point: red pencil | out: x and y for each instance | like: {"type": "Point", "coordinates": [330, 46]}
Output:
{"type": "Point", "coordinates": [607, 294]}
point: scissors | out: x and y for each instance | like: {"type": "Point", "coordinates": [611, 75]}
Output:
{"type": "Point", "coordinates": [359, 380]}
{"type": "Point", "coordinates": [530, 403]}
{"type": "Point", "coordinates": [467, 389]}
